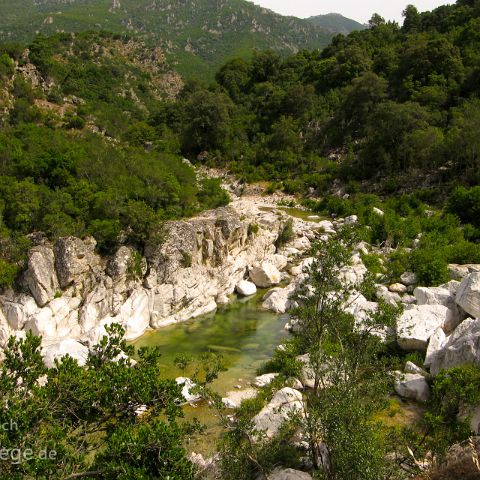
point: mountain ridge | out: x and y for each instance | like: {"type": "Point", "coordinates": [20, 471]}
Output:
{"type": "Point", "coordinates": [336, 23]}
{"type": "Point", "coordinates": [198, 35]}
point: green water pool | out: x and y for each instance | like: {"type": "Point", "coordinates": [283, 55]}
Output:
{"type": "Point", "coordinates": [242, 332]}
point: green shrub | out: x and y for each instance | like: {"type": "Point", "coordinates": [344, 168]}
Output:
{"type": "Point", "coordinates": [8, 273]}
{"type": "Point", "coordinates": [430, 266]}
{"type": "Point", "coordinates": [186, 259]}
{"type": "Point", "coordinates": [253, 229]}
{"type": "Point", "coordinates": [465, 203]}
{"type": "Point", "coordinates": [285, 235]}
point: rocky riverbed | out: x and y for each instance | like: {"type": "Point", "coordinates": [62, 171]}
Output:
{"type": "Point", "coordinates": [70, 293]}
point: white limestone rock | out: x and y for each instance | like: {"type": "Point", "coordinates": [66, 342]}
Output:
{"type": "Point", "coordinates": [462, 347]}
{"type": "Point", "coordinates": [440, 296]}
{"type": "Point", "coordinates": [378, 212]}
{"type": "Point", "coordinates": [410, 367]}
{"type": "Point", "coordinates": [418, 323]}
{"type": "Point", "coordinates": [246, 288]}
{"type": "Point", "coordinates": [284, 404]}
{"type": "Point", "coordinates": [399, 288]}
{"type": "Point", "coordinates": [468, 294]}
{"type": "Point", "coordinates": [59, 350]}
{"type": "Point", "coordinates": [413, 386]}
{"type": "Point", "coordinates": [188, 385]}
{"type": "Point", "coordinates": [40, 276]}
{"type": "Point", "coordinates": [435, 345]}
{"type": "Point", "coordinates": [265, 275]}
{"type": "Point", "coordinates": [288, 474]}
{"type": "Point", "coordinates": [264, 380]}
{"type": "Point", "coordinates": [408, 278]}
{"type": "Point", "coordinates": [351, 220]}
{"type": "Point", "coordinates": [279, 299]}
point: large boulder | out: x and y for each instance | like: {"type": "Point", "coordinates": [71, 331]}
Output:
{"type": "Point", "coordinates": [462, 347]}
{"type": "Point", "coordinates": [279, 299]}
{"type": "Point", "coordinates": [440, 296]}
{"type": "Point", "coordinates": [468, 294]}
{"type": "Point", "coordinates": [59, 350]}
{"type": "Point", "coordinates": [413, 386]}
{"type": "Point", "coordinates": [265, 275]}
{"type": "Point", "coordinates": [286, 403]}
{"type": "Point", "coordinates": [40, 275]}
{"type": "Point", "coordinates": [418, 323]}
{"type": "Point", "coordinates": [246, 288]}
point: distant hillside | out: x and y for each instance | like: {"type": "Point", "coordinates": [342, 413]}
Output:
{"type": "Point", "coordinates": [336, 23]}
{"type": "Point", "coordinates": [198, 34]}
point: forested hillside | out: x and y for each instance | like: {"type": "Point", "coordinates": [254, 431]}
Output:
{"type": "Point", "coordinates": [198, 36]}
{"type": "Point", "coordinates": [77, 156]}
{"type": "Point", "coordinates": [383, 103]}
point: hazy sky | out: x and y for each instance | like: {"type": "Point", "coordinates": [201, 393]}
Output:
{"type": "Point", "coordinates": [358, 10]}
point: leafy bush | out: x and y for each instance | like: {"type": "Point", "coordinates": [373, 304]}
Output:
{"type": "Point", "coordinates": [285, 235]}
{"type": "Point", "coordinates": [8, 273]}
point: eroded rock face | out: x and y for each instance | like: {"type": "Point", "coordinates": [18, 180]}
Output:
{"type": "Point", "coordinates": [77, 293]}
{"type": "Point", "coordinates": [40, 276]}
{"type": "Point", "coordinates": [75, 259]}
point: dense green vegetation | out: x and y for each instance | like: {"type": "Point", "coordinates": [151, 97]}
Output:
{"type": "Point", "coordinates": [440, 237]}
{"type": "Point", "coordinates": [77, 156]}
{"type": "Point", "coordinates": [395, 105]}
{"type": "Point", "coordinates": [198, 36]}
{"type": "Point", "coordinates": [71, 421]}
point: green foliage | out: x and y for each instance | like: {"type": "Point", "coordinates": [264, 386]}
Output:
{"type": "Point", "coordinates": [8, 273]}
{"type": "Point", "coordinates": [350, 378]}
{"type": "Point", "coordinates": [186, 259]}
{"type": "Point", "coordinates": [465, 203]}
{"type": "Point", "coordinates": [285, 235]}
{"type": "Point", "coordinates": [85, 417]}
